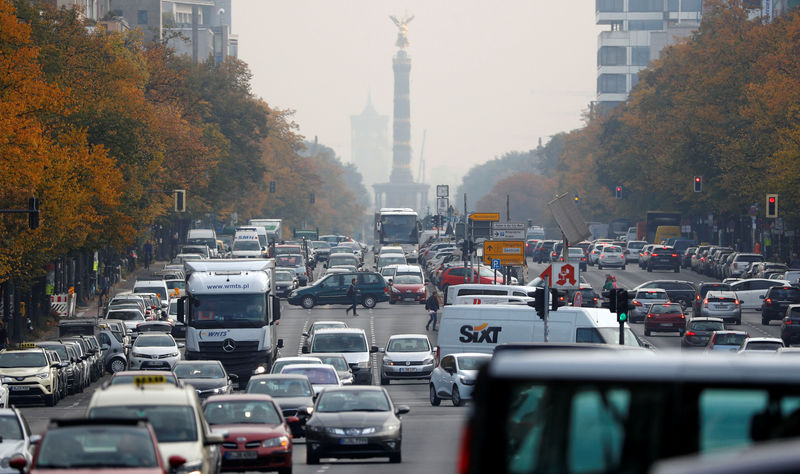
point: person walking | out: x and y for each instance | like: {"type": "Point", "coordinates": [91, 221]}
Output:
{"type": "Point", "coordinates": [432, 305]}
{"type": "Point", "coordinates": [148, 254]}
{"type": "Point", "coordinates": [352, 293]}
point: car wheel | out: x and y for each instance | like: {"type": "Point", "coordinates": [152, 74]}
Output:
{"type": "Point", "coordinates": [307, 302]}
{"type": "Point", "coordinates": [647, 332]}
{"type": "Point", "coordinates": [311, 458]}
{"type": "Point", "coordinates": [369, 302]}
{"type": "Point", "coordinates": [456, 397]}
{"type": "Point", "coordinates": [623, 267]}
{"type": "Point", "coordinates": [391, 301]}
{"type": "Point", "coordinates": [649, 269]}
{"type": "Point", "coordinates": [680, 333]}
{"type": "Point", "coordinates": [435, 400]}
{"type": "Point", "coordinates": [116, 365]}
{"type": "Point", "coordinates": [395, 458]}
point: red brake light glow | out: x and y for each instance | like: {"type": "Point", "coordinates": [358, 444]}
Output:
{"type": "Point", "coordinates": [690, 333]}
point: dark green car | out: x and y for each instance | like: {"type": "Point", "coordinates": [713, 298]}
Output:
{"type": "Point", "coordinates": [332, 289]}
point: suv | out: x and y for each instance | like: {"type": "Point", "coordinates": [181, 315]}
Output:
{"type": "Point", "coordinates": [576, 256]}
{"type": "Point", "coordinates": [776, 301]}
{"type": "Point", "coordinates": [332, 289]}
{"type": "Point", "coordinates": [352, 344]}
{"type": "Point", "coordinates": [679, 291]}
{"type": "Point", "coordinates": [159, 287]}
{"type": "Point", "coordinates": [662, 256]}
{"type": "Point", "coordinates": [700, 295]}
{"type": "Point", "coordinates": [632, 250]}
{"type": "Point", "coordinates": [30, 373]}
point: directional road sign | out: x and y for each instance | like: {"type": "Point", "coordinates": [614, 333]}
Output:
{"type": "Point", "coordinates": [442, 190]}
{"type": "Point", "coordinates": [485, 216]}
{"type": "Point", "coordinates": [509, 252]}
{"type": "Point", "coordinates": [442, 204]}
{"type": "Point", "coordinates": [508, 231]}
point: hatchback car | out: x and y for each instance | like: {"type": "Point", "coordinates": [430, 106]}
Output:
{"type": "Point", "coordinates": [317, 325]}
{"type": "Point", "coordinates": [722, 304]}
{"type": "Point", "coordinates": [285, 282]}
{"type": "Point", "coordinates": [291, 392]}
{"type": "Point", "coordinates": [407, 356]}
{"type": "Point", "coordinates": [208, 377]}
{"type": "Point", "coordinates": [776, 301]}
{"type": "Point", "coordinates": [352, 344]}
{"type": "Point", "coordinates": [455, 377]}
{"type": "Point", "coordinates": [407, 288]}
{"type": "Point", "coordinates": [700, 294]}
{"type": "Point", "coordinates": [611, 256]}
{"type": "Point", "coordinates": [354, 422]}
{"type": "Point", "coordinates": [665, 317]}
{"type": "Point", "coordinates": [295, 263]}
{"type": "Point", "coordinates": [699, 330]}
{"type": "Point", "coordinates": [17, 437]}
{"type": "Point", "coordinates": [726, 341]}
{"type": "Point", "coordinates": [154, 351]}
{"type": "Point", "coordinates": [340, 363]}
{"type": "Point", "coordinates": [642, 299]}
{"type": "Point", "coordinates": [761, 344]}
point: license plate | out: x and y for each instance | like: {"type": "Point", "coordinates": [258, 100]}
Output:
{"type": "Point", "coordinates": [353, 441]}
{"type": "Point", "coordinates": [408, 369]}
{"type": "Point", "coordinates": [241, 455]}
{"type": "Point", "coordinates": [666, 324]}
{"type": "Point", "coordinates": [20, 388]}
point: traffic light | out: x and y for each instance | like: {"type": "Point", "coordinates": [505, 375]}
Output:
{"type": "Point", "coordinates": [612, 300]}
{"type": "Point", "coordinates": [272, 187]}
{"type": "Point", "coordinates": [556, 300]}
{"type": "Point", "coordinates": [621, 305]}
{"type": "Point", "coordinates": [33, 213]}
{"type": "Point", "coordinates": [180, 200]}
{"type": "Point", "coordinates": [698, 184]}
{"type": "Point", "coordinates": [772, 205]}
{"type": "Point", "coordinates": [619, 192]}
{"type": "Point", "coordinates": [538, 302]}
{"type": "Point", "coordinates": [577, 198]}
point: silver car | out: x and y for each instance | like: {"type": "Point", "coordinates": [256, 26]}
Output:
{"type": "Point", "coordinates": [722, 304]}
{"type": "Point", "coordinates": [611, 256]}
{"type": "Point", "coordinates": [407, 356]}
{"type": "Point", "coordinates": [643, 299]}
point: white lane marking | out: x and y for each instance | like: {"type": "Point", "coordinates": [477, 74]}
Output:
{"type": "Point", "coordinates": [302, 338]}
{"type": "Point", "coordinates": [74, 405]}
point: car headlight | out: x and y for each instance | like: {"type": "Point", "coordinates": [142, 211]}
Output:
{"type": "Point", "coordinates": [466, 380]}
{"type": "Point", "coordinates": [392, 427]}
{"type": "Point", "coordinates": [174, 354]}
{"type": "Point", "coordinates": [335, 431]}
{"type": "Point", "coordinates": [387, 361]}
{"type": "Point", "coordinates": [273, 442]}
{"type": "Point", "coordinates": [194, 467]}
{"type": "Point", "coordinates": [369, 430]}
{"type": "Point", "coordinates": [260, 370]}
{"type": "Point", "coordinates": [8, 379]}
{"type": "Point", "coordinates": [220, 390]}
{"type": "Point", "coordinates": [427, 361]}
{"type": "Point", "coordinates": [43, 375]}
{"type": "Point", "coordinates": [140, 355]}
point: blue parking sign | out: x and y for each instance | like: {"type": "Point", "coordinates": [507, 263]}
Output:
{"type": "Point", "coordinates": [496, 264]}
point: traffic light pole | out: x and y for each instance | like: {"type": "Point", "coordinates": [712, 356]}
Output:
{"type": "Point", "coordinates": [546, 309]}
{"type": "Point", "coordinates": [621, 333]}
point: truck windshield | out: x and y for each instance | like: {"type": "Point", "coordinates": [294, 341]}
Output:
{"type": "Point", "coordinates": [229, 311]}
{"type": "Point", "coordinates": [399, 229]}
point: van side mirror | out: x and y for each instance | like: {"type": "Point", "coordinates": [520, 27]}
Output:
{"type": "Point", "coordinates": [276, 308]}
{"type": "Point", "coordinates": [305, 350]}
{"type": "Point", "coordinates": [181, 316]}
{"type": "Point", "coordinates": [373, 349]}
{"type": "Point", "coordinates": [280, 343]}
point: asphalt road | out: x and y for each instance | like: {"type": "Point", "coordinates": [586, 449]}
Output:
{"type": "Point", "coordinates": [430, 434]}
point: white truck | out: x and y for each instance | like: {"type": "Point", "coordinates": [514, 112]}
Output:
{"type": "Point", "coordinates": [231, 313]}
{"type": "Point", "coordinates": [273, 227]}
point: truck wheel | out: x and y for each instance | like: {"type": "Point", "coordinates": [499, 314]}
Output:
{"type": "Point", "coordinates": [647, 333]}
{"type": "Point", "coordinates": [369, 302]}
{"type": "Point", "coordinates": [307, 302]}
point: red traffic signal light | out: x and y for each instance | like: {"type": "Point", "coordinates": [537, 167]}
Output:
{"type": "Point", "coordinates": [698, 184]}
{"type": "Point", "coordinates": [619, 192]}
{"type": "Point", "coordinates": [772, 200]}
{"type": "Point", "coordinates": [772, 205]}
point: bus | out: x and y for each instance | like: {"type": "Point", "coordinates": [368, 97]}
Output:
{"type": "Point", "coordinates": [398, 226]}
{"type": "Point", "coordinates": [656, 219]}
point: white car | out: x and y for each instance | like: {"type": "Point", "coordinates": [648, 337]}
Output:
{"type": "Point", "coordinates": [407, 356]}
{"type": "Point", "coordinates": [282, 362]}
{"type": "Point", "coordinates": [761, 344]}
{"type": "Point", "coordinates": [454, 378]}
{"type": "Point", "coordinates": [632, 250]}
{"type": "Point", "coordinates": [16, 437]}
{"type": "Point", "coordinates": [611, 256]}
{"type": "Point", "coordinates": [130, 316]}
{"type": "Point", "coordinates": [751, 291]}
{"type": "Point", "coordinates": [157, 351]}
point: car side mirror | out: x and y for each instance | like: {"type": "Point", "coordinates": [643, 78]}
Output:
{"type": "Point", "coordinates": [128, 346]}
{"type": "Point", "coordinates": [104, 347]}
{"type": "Point", "coordinates": [181, 345]}
{"type": "Point", "coordinates": [305, 350]}
{"type": "Point", "coordinates": [306, 411]}
{"type": "Point", "coordinates": [373, 349]}
{"type": "Point", "coordinates": [382, 350]}
{"type": "Point", "coordinates": [176, 461]}
{"type": "Point", "coordinates": [214, 438]}
{"type": "Point", "coordinates": [34, 439]}
{"type": "Point", "coordinates": [18, 462]}
{"type": "Point", "coordinates": [280, 343]}
{"type": "Point", "coordinates": [401, 409]}
{"type": "Point", "coordinates": [306, 334]}
{"type": "Point", "coordinates": [180, 315]}
{"type": "Point", "coordinates": [233, 377]}
{"type": "Point", "coordinates": [292, 419]}
{"type": "Point", "coordinates": [450, 370]}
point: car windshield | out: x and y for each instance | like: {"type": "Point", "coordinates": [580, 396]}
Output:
{"type": "Point", "coordinates": [716, 287]}
{"type": "Point", "coordinates": [706, 325]}
{"type": "Point", "coordinates": [280, 364]}
{"type": "Point", "coordinates": [408, 279]}
{"type": "Point", "coordinates": [317, 326]}
{"type": "Point", "coordinates": [283, 276]}
{"type": "Point", "coordinates": [785, 294]}
{"type": "Point", "coordinates": [58, 348]}
{"type": "Point", "coordinates": [289, 249]}
{"type": "Point", "coordinates": [198, 371]}
{"type": "Point", "coordinates": [472, 362]}
{"type": "Point", "coordinates": [288, 260]}
{"type": "Point", "coordinates": [339, 342]}
{"type": "Point", "coordinates": [228, 310]}
{"type": "Point", "coordinates": [408, 344]}
{"type": "Point", "coordinates": [172, 284]}
{"type": "Point", "coordinates": [10, 427]}
{"type": "Point", "coordinates": [165, 328]}
{"type": "Point", "coordinates": [97, 446]}
{"type": "Point", "coordinates": [246, 245]}
{"type": "Point", "coordinates": [749, 258]}
{"type": "Point", "coordinates": [651, 295]}
{"type": "Point", "coordinates": [316, 375]}
{"type": "Point", "coordinates": [126, 315]}
{"type": "Point", "coordinates": [154, 341]}
{"type": "Point", "coordinates": [763, 346]}
{"type": "Point", "coordinates": [283, 387]}
{"type": "Point", "coordinates": [318, 244]}
{"type": "Point", "coordinates": [22, 359]}
{"type": "Point", "coordinates": [234, 412]}
{"type": "Point", "coordinates": [612, 250]}
{"type": "Point", "coordinates": [159, 291]}
{"type": "Point", "coordinates": [343, 259]}
{"type": "Point", "coordinates": [127, 379]}
{"type": "Point", "coordinates": [338, 362]}
{"type": "Point", "coordinates": [172, 423]}
{"type": "Point", "coordinates": [729, 339]}
{"type": "Point", "coordinates": [332, 401]}
{"type": "Point", "coordinates": [665, 309]}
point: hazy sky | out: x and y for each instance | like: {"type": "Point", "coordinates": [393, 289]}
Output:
{"type": "Point", "coordinates": [486, 77]}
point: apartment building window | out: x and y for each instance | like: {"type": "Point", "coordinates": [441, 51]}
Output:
{"type": "Point", "coordinates": [685, 5]}
{"type": "Point", "coordinates": [645, 25]}
{"type": "Point", "coordinates": [609, 5]}
{"type": "Point", "coordinates": [141, 17]}
{"type": "Point", "coordinates": [611, 83]}
{"type": "Point", "coordinates": [645, 5]}
{"type": "Point", "coordinates": [634, 80]}
{"type": "Point", "coordinates": [640, 55]}
{"type": "Point", "coordinates": [612, 56]}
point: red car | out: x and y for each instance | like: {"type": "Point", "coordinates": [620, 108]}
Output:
{"type": "Point", "coordinates": [455, 276]}
{"type": "Point", "coordinates": [98, 445]}
{"type": "Point", "coordinates": [258, 437]}
{"type": "Point", "coordinates": [409, 288]}
{"type": "Point", "coordinates": [665, 317]}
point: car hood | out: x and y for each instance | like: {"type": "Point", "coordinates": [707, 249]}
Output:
{"type": "Point", "coordinates": [249, 429]}
{"type": "Point", "coordinates": [351, 419]}
{"type": "Point", "coordinates": [410, 356]}
{"type": "Point", "coordinates": [154, 350]}
{"type": "Point", "coordinates": [22, 371]}
{"type": "Point", "coordinates": [406, 287]}
{"type": "Point", "coordinates": [205, 384]}
{"type": "Point", "coordinates": [290, 403]}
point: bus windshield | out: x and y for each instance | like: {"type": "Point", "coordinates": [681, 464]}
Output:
{"type": "Point", "coordinates": [228, 311]}
{"type": "Point", "coordinates": [400, 229]}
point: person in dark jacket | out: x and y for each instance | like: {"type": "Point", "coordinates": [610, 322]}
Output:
{"type": "Point", "coordinates": [432, 305]}
{"type": "Point", "coordinates": [352, 293]}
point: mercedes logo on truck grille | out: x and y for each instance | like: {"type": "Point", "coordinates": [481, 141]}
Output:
{"type": "Point", "coordinates": [228, 345]}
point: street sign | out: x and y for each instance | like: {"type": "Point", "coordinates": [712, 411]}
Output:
{"type": "Point", "coordinates": [562, 276]}
{"type": "Point", "coordinates": [442, 190]}
{"type": "Point", "coordinates": [514, 234]}
{"type": "Point", "coordinates": [509, 226]}
{"type": "Point", "coordinates": [569, 218]}
{"type": "Point", "coordinates": [485, 216]}
{"type": "Point", "coordinates": [496, 264]}
{"type": "Point", "coordinates": [442, 204]}
{"type": "Point", "coordinates": [509, 252]}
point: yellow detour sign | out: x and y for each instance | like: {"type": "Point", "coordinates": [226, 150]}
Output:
{"type": "Point", "coordinates": [149, 379]}
{"type": "Point", "coordinates": [509, 252]}
{"type": "Point", "coordinates": [485, 216]}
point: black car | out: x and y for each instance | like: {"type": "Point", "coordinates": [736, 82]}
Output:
{"type": "Point", "coordinates": [790, 326]}
{"type": "Point", "coordinates": [777, 299]}
{"type": "Point", "coordinates": [702, 290]}
{"type": "Point", "coordinates": [699, 331]}
{"type": "Point", "coordinates": [662, 257]}
{"type": "Point", "coordinates": [354, 422]}
{"type": "Point", "coordinates": [208, 377]}
{"type": "Point", "coordinates": [678, 291]}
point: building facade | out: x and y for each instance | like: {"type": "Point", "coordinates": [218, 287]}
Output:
{"type": "Point", "coordinates": [369, 144]}
{"type": "Point", "coordinates": [638, 31]}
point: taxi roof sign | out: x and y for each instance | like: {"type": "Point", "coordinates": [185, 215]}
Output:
{"type": "Point", "coordinates": [140, 380]}
{"type": "Point", "coordinates": [485, 216]}
{"type": "Point", "coordinates": [27, 345]}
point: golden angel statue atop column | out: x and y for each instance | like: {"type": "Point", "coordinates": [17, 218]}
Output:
{"type": "Point", "coordinates": [402, 30]}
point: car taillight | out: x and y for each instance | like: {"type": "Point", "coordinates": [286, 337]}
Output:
{"type": "Point", "coordinates": [705, 303]}
{"type": "Point", "coordinates": [649, 315]}
{"type": "Point", "coordinates": [690, 333]}
{"type": "Point", "coordinates": [698, 297]}
{"type": "Point", "coordinates": [636, 303]}
{"type": "Point", "coordinates": [787, 321]}
{"type": "Point", "coordinates": [674, 254]}
{"type": "Point", "coordinates": [703, 259]}
{"type": "Point", "coordinates": [736, 302]}
{"type": "Point", "coordinates": [655, 255]}
{"type": "Point", "coordinates": [386, 289]}
{"type": "Point", "coordinates": [768, 301]}
{"type": "Point", "coordinates": [683, 316]}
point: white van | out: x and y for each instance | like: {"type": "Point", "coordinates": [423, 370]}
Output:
{"type": "Point", "coordinates": [472, 289]}
{"type": "Point", "coordinates": [205, 237]}
{"type": "Point", "coordinates": [246, 245]}
{"type": "Point", "coordinates": [491, 299]}
{"type": "Point", "coordinates": [479, 328]}
{"type": "Point", "coordinates": [261, 232]}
